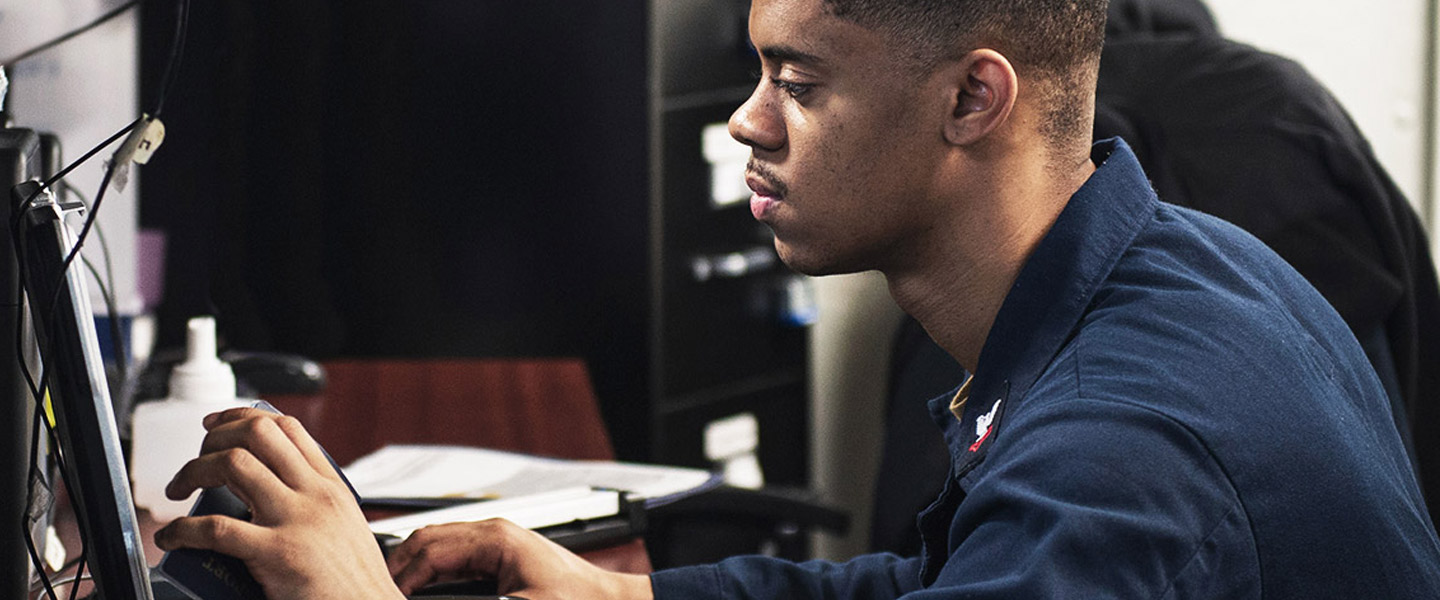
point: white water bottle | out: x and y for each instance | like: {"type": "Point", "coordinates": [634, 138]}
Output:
{"type": "Point", "coordinates": [165, 434]}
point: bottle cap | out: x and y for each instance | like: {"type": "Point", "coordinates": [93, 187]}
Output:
{"type": "Point", "coordinates": [203, 376]}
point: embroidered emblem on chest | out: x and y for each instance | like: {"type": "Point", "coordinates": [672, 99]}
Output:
{"type": "Point", "coordinates": [984, 425]}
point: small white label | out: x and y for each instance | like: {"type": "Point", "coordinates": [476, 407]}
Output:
{"type": "Point", "coordinates": [731, 443]}
{"type": "Point", "coordinates": [732, 436]}
{"type": "Point", "coordinates": [727, 158]}
{"type": "Point", "coordinates": [55, 554]}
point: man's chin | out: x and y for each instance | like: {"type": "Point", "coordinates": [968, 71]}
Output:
{"type": "Point", "coordinates": [814, 264]}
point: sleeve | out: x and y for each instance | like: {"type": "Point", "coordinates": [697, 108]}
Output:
{"type": "Point", "coordinates": [869, 577]}
{"type": "Point", "coordinates": [1097, 499]}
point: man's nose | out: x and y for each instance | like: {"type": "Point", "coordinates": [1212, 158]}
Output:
{"type": "Point", "coordinates": [757, 124]}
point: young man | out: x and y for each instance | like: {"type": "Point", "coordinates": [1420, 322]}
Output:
{"type": "Point", "coordinates": [1161, 407]}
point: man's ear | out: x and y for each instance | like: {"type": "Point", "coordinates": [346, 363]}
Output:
{"type": "Point", "coordinates": [985, 89]}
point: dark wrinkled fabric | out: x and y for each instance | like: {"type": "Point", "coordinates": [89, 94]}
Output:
{"type": "Point", "coordinates": [1252, 138]}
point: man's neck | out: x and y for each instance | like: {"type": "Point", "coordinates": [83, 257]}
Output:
{"type": "Point", "coordinates": [962, 273]}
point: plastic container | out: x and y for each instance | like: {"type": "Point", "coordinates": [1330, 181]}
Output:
{"type": "Point", "coordinates": [166, 434]}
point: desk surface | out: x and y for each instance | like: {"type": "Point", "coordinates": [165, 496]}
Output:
{"type": "Point", "coordinates": [536, 406]}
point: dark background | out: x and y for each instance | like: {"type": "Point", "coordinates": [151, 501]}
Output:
{"type": "Point", "coordinates": [480, 178]}
{"type": "Point", "coordinates": [384, 178]}
{"type": "Point", "coordinates": [407, 179]}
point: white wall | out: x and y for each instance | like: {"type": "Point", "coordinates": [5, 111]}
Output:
{"type": "Point", "coordinates": [1434, 74]}
{"type": "Point", "coordinates": [83, 91]}
{"type": "Point", "coordinates": [849, 354]}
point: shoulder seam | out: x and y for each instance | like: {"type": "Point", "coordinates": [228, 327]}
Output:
{"type": "Point", "coordinates": [1229, 478]}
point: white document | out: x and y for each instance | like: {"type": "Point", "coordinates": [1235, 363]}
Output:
{"type": "Point", "coordinates": [421, 471]}
{"type": "Point", "coordinates": [533, 512]}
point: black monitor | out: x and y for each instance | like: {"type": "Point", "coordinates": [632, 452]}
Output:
{"type": "Point", "coordinates": [19, 162]}
{"type": "Point", "coordinates": [85, 426]}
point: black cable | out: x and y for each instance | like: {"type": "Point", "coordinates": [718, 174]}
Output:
{"type": "Point", "coordinates": [34, 476]}
{"type": "Point", "coordinates": [30, 487]}
{"type": "Point", "coordinates": [60, 464]}
{"type": "Point", "coordinates": [35, 558]}
{"type": "Point", "coordinates": [38, 390]}
{"type": "Point", "coordinates": [49, 183]}
{"type": "Point", "coordinates": [113, 314]}
{"type": "Point", "coordinates": [65, 38]}
{"type": "Point", "coordinates": [117, 345]}
{"type": "Point", "coordinates": [88, 155]}
{"type": "Point", "coordinates": [99, 232]}
{"type": "Point", "coordinates": [80, 516]}
{"type": "Point", "coordinates": [177, 52]}
{"type": "Point", "coordinates": [84, 231]}
{"type": "Point", "coordinates": [15, 225]}
{"type": "Point", "coordinates": [20, 285]}
{"type": "Point", "coordinates": [79, 572]}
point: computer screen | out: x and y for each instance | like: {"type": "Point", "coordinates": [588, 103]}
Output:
{"type": "Point", "coordinates": [94, 468]}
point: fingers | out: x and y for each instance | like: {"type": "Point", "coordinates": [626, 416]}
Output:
{"type": "Point", "coordinates": [308, 447]}
{"type": "Point", "coordinates": [519, 560]}
{"type": "Point", "coordinates": [279, 441]}
{"type": "Point", "coordinates": [221, 534]}
{"type": "Point", "coordinates": [457, 551]}
{"type": "Point", "coordinates": [251, 452]}
{"type": "Point", "coordinates": [429, 555]}
{"type": "Point", "coordinates": [251, 480]}
{"type": "Point", "coordinates": [307, 537]}
{"type": "Point", "coordinates": [415, 574]}
{"type": "Point", "coordinates": [263, 438]}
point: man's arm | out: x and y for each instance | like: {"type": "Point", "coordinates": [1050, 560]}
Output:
{"type": "Point", "coordinates": [308, 539]}
{"type": "Point", "coordinates": [521, 562]}
{"type": "Point", "coordinates": [869, 577]}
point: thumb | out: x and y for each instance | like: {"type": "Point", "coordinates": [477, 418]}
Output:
{"type": "Point", "coordinates": [226, 535]}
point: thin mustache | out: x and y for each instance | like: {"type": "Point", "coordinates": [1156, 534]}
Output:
{"type": "Point", "coordinates": [765, 174]}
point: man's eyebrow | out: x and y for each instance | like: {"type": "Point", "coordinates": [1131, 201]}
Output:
{"type": "Point", "coordinates": [790, 54]}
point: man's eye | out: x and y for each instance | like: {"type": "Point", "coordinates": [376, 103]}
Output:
{"type": "Point", "coordinates": [795, 90]}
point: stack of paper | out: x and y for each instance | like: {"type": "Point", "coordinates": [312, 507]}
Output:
{"type": "Point", "coordinates": [535, 511]}
{"type": "Point", "coordinates": [419, 471]}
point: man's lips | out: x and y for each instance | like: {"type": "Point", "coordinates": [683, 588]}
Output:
{"type": "Point", "coordinates": [758, 184]}
{"type": "Point", "coordinates": [762, 206]}
{"type": "Point", "coordinates": [767, 195]}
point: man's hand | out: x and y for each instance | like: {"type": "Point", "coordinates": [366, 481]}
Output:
{"type": "Point", "coordinates": [521, 561]}
{"type": "Point", "coordinates": [307, 538]}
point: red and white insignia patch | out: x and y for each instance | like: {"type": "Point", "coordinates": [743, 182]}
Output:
{"type": "Point", "coordinates": [984, 425]}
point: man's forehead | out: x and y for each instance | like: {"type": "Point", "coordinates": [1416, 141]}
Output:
{"type": "Point", "coordinates": [800, 31]}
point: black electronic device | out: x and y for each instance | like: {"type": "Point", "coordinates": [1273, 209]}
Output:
{"type": "Point", "coordinates": [63, 330]}
{"type": "Point", "coordinates": [20, 161]}
{"type": "Point", "coordinates": [98, 487]}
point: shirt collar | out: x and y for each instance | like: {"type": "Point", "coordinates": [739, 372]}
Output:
{"type": "Point", "coordinates": [1052, 291]}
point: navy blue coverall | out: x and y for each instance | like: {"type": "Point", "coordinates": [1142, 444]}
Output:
{"type": "Point", "coordinates": [1163, 409]}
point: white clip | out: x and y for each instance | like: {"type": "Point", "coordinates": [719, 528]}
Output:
{"type": "Point", "coordinates": [139, 146]}
{"type": "Point", "coordinates": [152, 134]}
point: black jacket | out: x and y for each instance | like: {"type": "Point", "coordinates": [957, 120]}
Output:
{"type": "Point", "coordinates": [1253, 138]}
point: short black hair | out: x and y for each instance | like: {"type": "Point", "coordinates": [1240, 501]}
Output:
{"type": "Point", "coordinates": [1057, 41]}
